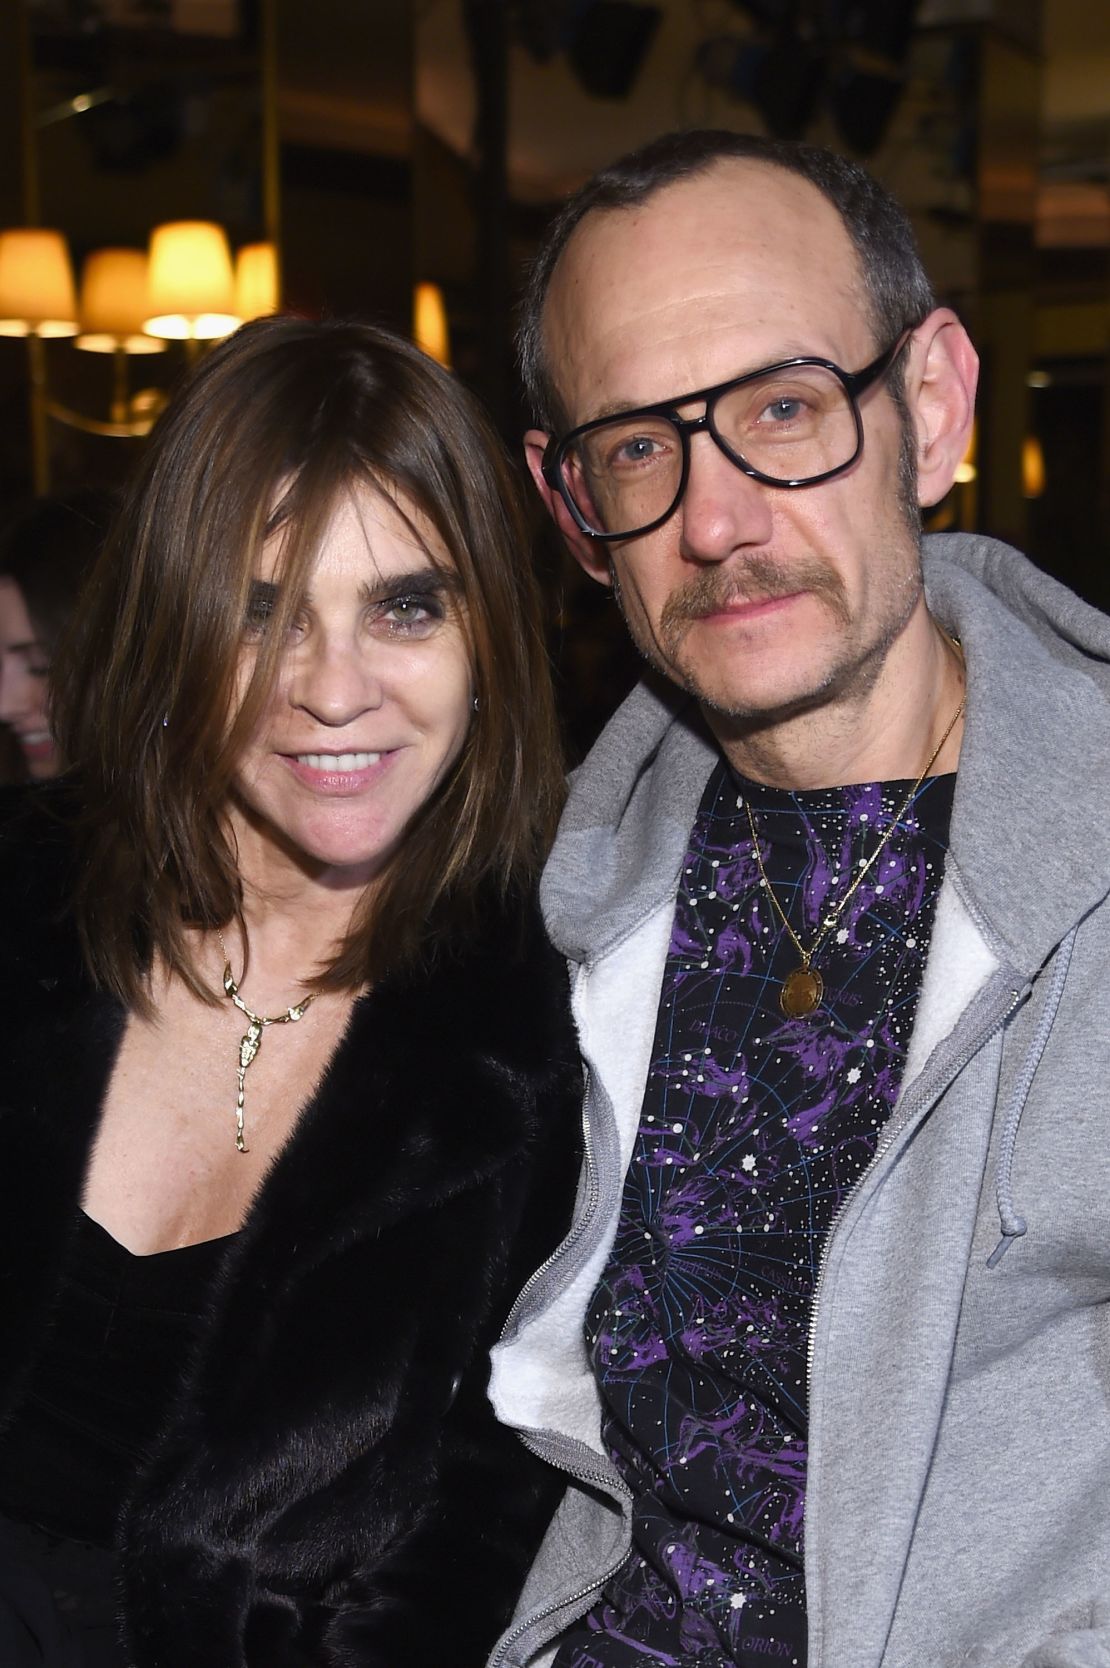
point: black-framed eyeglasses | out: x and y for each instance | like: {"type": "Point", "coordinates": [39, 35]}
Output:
{"type": "Point", "coordinates": [793, 424]}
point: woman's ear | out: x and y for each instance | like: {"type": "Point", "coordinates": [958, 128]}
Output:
{"type": "Point", "coordinates": [941, 379]}
{"type": "Point", "coordinates": [591, 554]}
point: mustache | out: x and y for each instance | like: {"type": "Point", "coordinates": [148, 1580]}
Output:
{"type": "Point", "coordinates": [758, 579]}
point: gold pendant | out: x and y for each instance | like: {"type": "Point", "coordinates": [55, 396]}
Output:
{"type": "Point", "coordinates": [252, 1040]}
{"type": "Point", "coordinates": [801, 992]}
{"type": "Point", "coordinates": [248, 1048]}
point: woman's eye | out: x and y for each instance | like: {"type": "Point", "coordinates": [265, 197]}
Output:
{"type": "Point", "coordinates": [261, 602]}
{"type": "Point", "coordinates": [259, 616]}
{"type": "Point", "coordinates": [410, 615]}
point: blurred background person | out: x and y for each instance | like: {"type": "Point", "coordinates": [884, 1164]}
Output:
{"type": "Point", "coordinates": [46, 554]}
{"type": "Point", "coordinates": [288, 1110]}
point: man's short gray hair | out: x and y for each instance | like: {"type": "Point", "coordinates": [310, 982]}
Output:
{"type": "Point", "coordinates": [895, 283]}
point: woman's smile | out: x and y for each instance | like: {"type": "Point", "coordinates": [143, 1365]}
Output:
{"type": "Point", "coordinates": [339, 773]}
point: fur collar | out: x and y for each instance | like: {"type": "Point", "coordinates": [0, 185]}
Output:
{"type": "Point", "coordinates": [454, 1040]}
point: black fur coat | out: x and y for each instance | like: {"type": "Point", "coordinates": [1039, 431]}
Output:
{"type": "Point", "coordinates": [331, 1488]}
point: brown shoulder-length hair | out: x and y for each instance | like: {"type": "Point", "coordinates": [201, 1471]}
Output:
{"type": "Point", "coordinates": [266, 435]}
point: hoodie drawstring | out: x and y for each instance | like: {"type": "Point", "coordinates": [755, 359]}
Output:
{"type": "Point", "coordinates": [1012, 1222]}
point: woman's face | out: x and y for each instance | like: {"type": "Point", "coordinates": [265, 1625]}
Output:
{"type": "Point", "coordinates": [373, 699]}
{"type": "Point", "coordinates": [24, 666]}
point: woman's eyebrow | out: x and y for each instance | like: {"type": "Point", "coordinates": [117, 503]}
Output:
{"type": "Point", "coordinates": [429, 579]}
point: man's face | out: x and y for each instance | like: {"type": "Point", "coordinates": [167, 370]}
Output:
{"type": "Point", "coordinates": [761, 601]}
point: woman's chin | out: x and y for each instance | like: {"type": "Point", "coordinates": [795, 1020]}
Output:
{"type": "Point", "coordinates": [42, 762]}
{"type": "Point", "coordinates": [321, 848]}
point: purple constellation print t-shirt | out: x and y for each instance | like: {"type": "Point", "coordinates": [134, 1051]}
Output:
{"type": "Point", "coordinates": [754, 1129]}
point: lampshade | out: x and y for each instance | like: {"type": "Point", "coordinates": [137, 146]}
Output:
{"type": "Point", "coordinates": [192, 291]}
{"type": "Point", "coordinates": [256, 280]}
{"type": "Point", "coordinates": [429, 322]}
{"type": "Point", "coordinates": [114, 303]}
{"type": "Point", "coordinates": [36, 284]}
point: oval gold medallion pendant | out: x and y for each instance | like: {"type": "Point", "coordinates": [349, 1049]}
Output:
{"type": "Point", "coordinates": [801, 992]}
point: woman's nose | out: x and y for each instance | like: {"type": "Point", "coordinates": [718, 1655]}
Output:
{"type": "Point", "coordinates": [15, 689]}
{"type": "Point", "coordinates": [336, 682]}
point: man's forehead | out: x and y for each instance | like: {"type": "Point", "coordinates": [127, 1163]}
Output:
{"type": "Point", "coordinates": [735, 201]}
{"type": "Point", "coordinates": [746, 259]}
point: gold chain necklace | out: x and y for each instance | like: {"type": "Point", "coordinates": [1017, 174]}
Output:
{"type": "Point", "coordinates": [803, 987]}
{"type": "Point", "coordinates": [252, 1040]}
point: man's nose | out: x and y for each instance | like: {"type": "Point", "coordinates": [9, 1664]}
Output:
{"type": "Point", "coordinates": [722, 509]}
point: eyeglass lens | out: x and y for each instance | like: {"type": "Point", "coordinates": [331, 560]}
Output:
{"type": "Point", "coordinates": [790, 425]}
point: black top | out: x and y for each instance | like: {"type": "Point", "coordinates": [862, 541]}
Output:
{"type": "Point", "coordinates": [313, 1492]}
{"type": "Point", "coordinates": [122, 1331]}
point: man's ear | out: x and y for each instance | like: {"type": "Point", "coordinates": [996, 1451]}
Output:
{"type": "Point", "coordinates": [590, 554]}
{"type": "Point", "coordinates": [940, 390]}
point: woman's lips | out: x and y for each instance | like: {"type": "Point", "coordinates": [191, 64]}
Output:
{"type": "Point", "coordinates": [338, 773]}
{"type": "Point", "coordinates": [36, 744]}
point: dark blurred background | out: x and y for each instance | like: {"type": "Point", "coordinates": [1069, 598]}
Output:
{"type": "Point", "coordinates": [376, 145]}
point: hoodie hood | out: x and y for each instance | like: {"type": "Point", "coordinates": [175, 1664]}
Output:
{"type": "Point", "coordinates": [631, 806]}
{"type": "Point", "coordinates": [627, 821]}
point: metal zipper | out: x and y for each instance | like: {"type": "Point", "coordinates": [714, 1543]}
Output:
{"type": "Point", "coordinates": [564, 1248]}
{"type": "Point", "coordinates": [593, 1188]}
{"type": "Point", "coordinates": [890, 1136]}
{"type": "Point", "coordinates": [601, 1480]}
{"type": "Point", "coordinates": [607, 1482]}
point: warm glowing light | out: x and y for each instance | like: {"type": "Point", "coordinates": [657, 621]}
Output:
{"type": "Point", "coordinates": [429, 323]}
{"type": "Point", "coordinates": [37, 295]}
{"type": "Point", "coordinates": [256, 281]}
{"type": "Point", "coordinates": [96, 341]}
{"type": "Point", "coordinates": [1032, 467]}
{"type": "Point", "coordinates": [965, 469]}
{"type": "Point", "coordinates": [114, 303]}
{"type": "Point", "coordinates": [192, 289]}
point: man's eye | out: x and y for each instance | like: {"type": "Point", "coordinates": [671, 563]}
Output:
{"type": "Point", "coordinates": [639, 447]}
{"type": "Point", "coordinates": [629, 450]}
{"type": "Point", "coordinates": [784, 408]}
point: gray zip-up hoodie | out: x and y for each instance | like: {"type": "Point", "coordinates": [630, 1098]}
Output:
{"type": "Point", "coordinates": [958, 1499]}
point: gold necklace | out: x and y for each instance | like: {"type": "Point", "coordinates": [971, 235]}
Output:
{"type": "Point", "coordinates": [803, 987]}
{"type": "Point", "coordinates": [252, 1040]}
